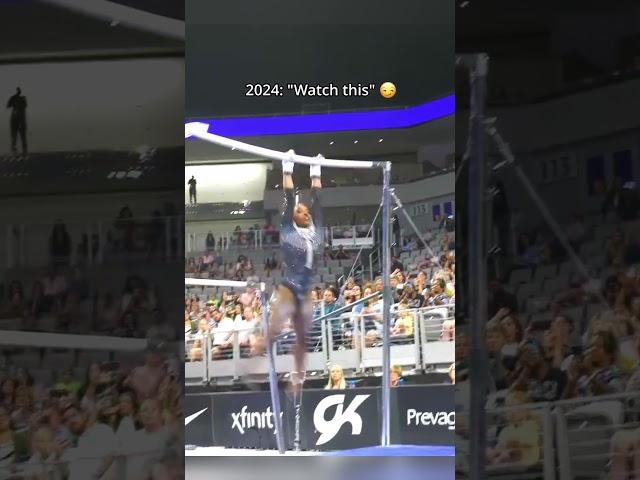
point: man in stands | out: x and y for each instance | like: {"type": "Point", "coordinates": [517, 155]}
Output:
{"type": "Point", "coordinates": [330, 297]}
{"type": "Point", "coordinates": [18, 120]}
{"type": "Point", "coordinates": [535, 375]}
{"type": "Point", "coordinates": [341, 254]}
{"type": "Point", "coordinates": [222, 336]}
{"type": "Point", "coordinates": [597, 373]}
{"type": "Point", "coordinates": [192, 190]}
{"type": "Point", "coordinates": [148, 444]}
{"type": "Point", "coordinates": [145, 380]}
{"type": "Point", "coordinates": [557, 338]}
{"type": "Point", "coordinates": [96, 444]}
{"type": "Point", "coordinates": [437, 294]}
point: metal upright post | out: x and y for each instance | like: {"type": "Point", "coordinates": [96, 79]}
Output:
{"type": "Point", "coordinates": [386, 315]}
{"type": "Point", "coordinates": [273, 376]}
{"type": "Point", "coordinates": [477, 269]}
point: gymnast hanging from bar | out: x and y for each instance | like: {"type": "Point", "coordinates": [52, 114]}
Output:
{"type": "Point", "coordinates": [301, 235]}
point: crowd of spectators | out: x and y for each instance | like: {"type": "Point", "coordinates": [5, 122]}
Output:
{"type": "Point", "coordinates": [428, 280]}
{"type": "Point", "coordinates": [64, 299]}
{"type": "Point", "coordinates": [577, 339]}
{"type": "Point", "coordinates": [144, 236]}
{"type": "Point", "coordinates": [117, 421]}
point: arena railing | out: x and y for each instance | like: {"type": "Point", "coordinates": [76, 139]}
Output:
{"type": "Point", "coordinates": [335, 340]}
{"type": "Point", "coordinates": [349, 236]}
{"type": "Point", "coordinates": [577, 437]}
{"type": "Point", "coordinates": [27, 244]}
{"type": "Point", "coordinates": [540, 461]}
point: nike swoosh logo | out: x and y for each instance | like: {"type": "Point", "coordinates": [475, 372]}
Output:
{"type": "Point", "coordinates": [191, 418]}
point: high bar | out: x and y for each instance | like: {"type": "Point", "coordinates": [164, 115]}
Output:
{"type": "Point", "coordinates": [207, 282]}
{"type": "Point", "coordinates": [200, 130]}
{"type": "Point", "coordinates": [132, 17]}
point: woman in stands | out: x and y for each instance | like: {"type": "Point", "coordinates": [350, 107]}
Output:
{"type": "Point", "coordinates": [336, 379]}
{"type": "Point", "coordinates": [301, 234]}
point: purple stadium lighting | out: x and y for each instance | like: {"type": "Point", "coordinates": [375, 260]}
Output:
{"type": "Point", "coordinates": [332, 122]}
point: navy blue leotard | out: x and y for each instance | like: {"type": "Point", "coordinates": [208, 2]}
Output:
{"type": "Point", "coordinates": [295, 247]}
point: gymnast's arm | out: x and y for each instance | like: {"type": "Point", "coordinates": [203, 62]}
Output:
{"type": "Point", "coordinates": [289, 199]}
{"type": "Point", "coordinates": [316, 206]}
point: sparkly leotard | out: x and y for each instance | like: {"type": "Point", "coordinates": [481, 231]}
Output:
{"type": "Point", "coordinates": [298, 245]}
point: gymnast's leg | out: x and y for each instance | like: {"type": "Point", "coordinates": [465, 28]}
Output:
{"type": "Point", "coordinates": [281, 307]}
{"type": "Point", "coordinates": [302, 320]}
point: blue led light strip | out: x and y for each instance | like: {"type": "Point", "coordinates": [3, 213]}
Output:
{"type": "Point", "coordinates": [332, 122]}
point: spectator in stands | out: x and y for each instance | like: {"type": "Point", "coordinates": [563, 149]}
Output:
{"type": "Point", "coordinates": [616, 248]}
{"type": "Point", "coordinates": [412, 298]}
{"type": "Point", "coordinates": [336, 378]}
{"type": "Point", "coordinates": [7, 446]}
{"type": "Point", "coordinates": [43, 453]}
{"type": "Point", "coordinates": [66, 383]}
{"type": "Point", "coordinates": [197, 350]}
{"type": "Point", "coordinates": [8, 393]}
{"type": "Point", "coordinates": [148, 443]}
{"type": "Point", "coordinates": [421, 284]}
{"type": "Point", "coordinates": [402, 328]}
{"type": "Point", "coordinates": [597, 372]}
{"type": "Point", "coordinates": [437, 294]}
{"type": "Point", "coordinates": [495, 342]}
{"type": "Point", "coordinates": [210, 241]}
{"type": "Point", "coordinates": [341, 254]}
{"type": "Point", "coordinates": [448, 331]}
{"type": "Point", "coordinates": [18, 120]}
{"type": "Point", "coordinates": [52, 417]}
{"type": "Point", "coordinates": [22, 418]}
{"type": "Point", "coordinates": [396, 264]}
{"type": "Point", "coordinates": [330, 298]}
{"type": "Point", "coordinates": [270, 264]}
{"type": "Point", "coordinates": [60, 244]}
{"type": "Point", "coordinates": [145, 380]}
{"type": "Point", "coordinates": [246, 328]}
{"type": "Point", "coordinates": [576, 231]}
{"type": "Point", "coordinates": [96, 444]}
{"type": "Point", "coordinates": [536, 376]}
{"type": "Point", "coordinates": [519, 441]}
{"type": "Point", "coordinates": [612, 198]}
{"type": "Point", "coordinates": [629, 202]}
{"type": "Point", "coordinates": [500, 298]}
{"type": "Point", "coordinates": [396, 376]}
{"type": "Point", "coordinates": [558, 349]}
{"type": "Point", "coordinates": [193, 194]}
{"type": "Point", "coordinates": [223, 337]}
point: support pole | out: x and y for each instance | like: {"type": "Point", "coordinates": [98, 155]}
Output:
{"type": "Point", "coordinates": [386, 312]}
{"type": "Point", "coordinates": [477, 269]}
{"type": "Point", "coordinates": [273, 377]}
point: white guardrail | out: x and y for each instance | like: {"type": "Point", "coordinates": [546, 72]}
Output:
{"type": "Point", "coordinates": [350, 237]}
{"type": "Point", "coordinates": [421, 339]}
{"type": "Point", "coordinates": [590, 438]}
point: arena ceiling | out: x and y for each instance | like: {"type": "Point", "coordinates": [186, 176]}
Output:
{"type": "Point", "coordinates": [412, 47]}
{"type": "Point", "coordinates": [32, 30]}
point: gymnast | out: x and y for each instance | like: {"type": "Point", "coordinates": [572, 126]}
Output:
{"type": "Point", "coordinates": [301, 235]}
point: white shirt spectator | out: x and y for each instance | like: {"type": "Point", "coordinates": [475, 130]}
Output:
{"type": "Point", "coordinates": [245, 328]}
{"type": "Point", "coordinates": [223, 331]}
{"type": "Point", "coordinates": [144, 449]}
{"type": "Point", "coordinates": [96, 443]}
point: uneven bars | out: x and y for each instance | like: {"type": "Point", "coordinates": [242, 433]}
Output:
{"type": "Point", "coordinates": [17, 338]}
{"type": "Point", "coordinates": [200, 130]}
{"type": "Point", "coordinates": [132, 17]}
{"type": "Point", "coordinates": [207, 282]}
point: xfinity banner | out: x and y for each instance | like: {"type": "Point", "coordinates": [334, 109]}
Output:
{"type": "Point", "coordinates": [245, 420]}
{"type": "Point", "coordinates": [340, 419]}
{"type": "Point", "coordinates": [423, 415]}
